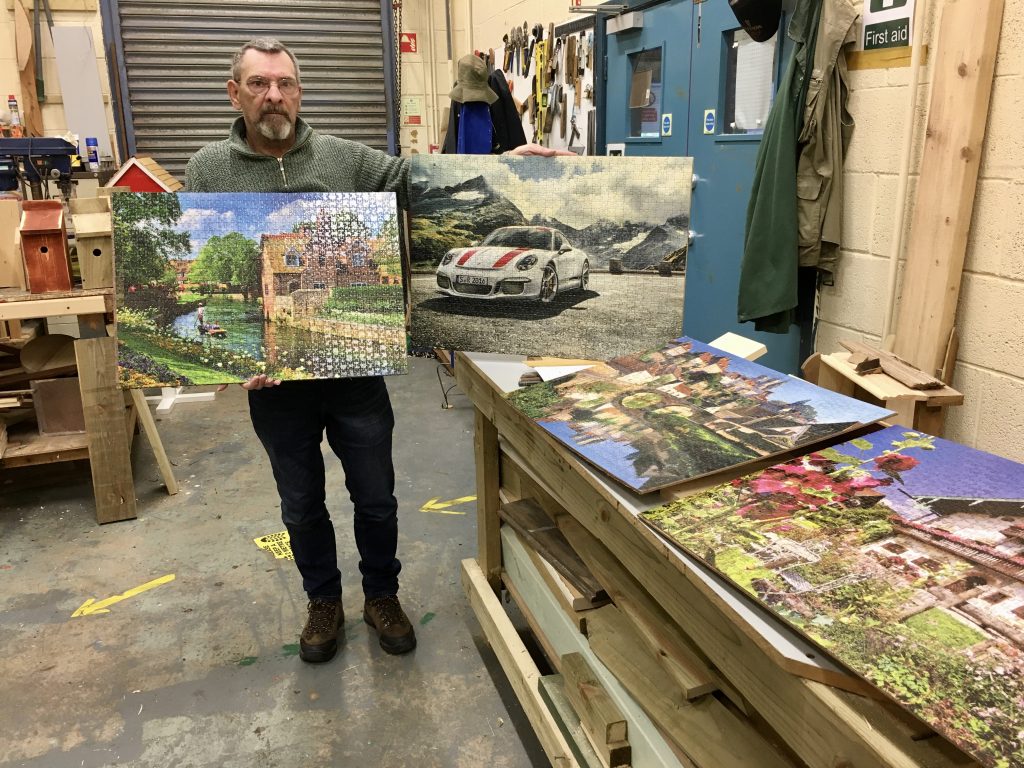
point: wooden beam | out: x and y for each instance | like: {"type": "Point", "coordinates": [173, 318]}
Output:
{"type": "Point", "coordinates": [516, 662]}
{"type": "Point", "coordinates": [12, 269]}
{"type": "Point", "coordinates": [109, 451]}
{"type": "Point", "coordinates": [485, 447]}
{"type": "Point", "coordinates": [602, 719]}
{"type": "Point", "coordinates": [965, 60]}
{"type": "Point", "coordinates": [705, 729]}
{"type": "Point", "coordinates": [153, 436]}
{"type": "Point", "coordinates": [649, 747]}
{"type": "Point", "coordinates": [552, 690]}
{"type": "Point", "coordinates": [79, 305]}
{"type": "Point", "coordinates": [541, 533]}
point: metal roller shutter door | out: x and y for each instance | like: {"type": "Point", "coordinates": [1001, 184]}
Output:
{"type": "Point", "coordinates": [177, 59]}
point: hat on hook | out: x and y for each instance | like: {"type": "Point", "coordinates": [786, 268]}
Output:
{"type": "Point", "coordinates": [759, 18]}
{"type": "Point", "coordinates": [472, 84]}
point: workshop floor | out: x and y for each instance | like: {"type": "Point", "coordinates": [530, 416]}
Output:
{"type": "Point", "coordinates": [202, 671]}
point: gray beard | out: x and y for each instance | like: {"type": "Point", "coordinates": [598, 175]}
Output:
{"type": "Point", "coordinates": [272, 133]}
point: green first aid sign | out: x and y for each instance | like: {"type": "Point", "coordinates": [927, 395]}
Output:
{"type": "Point", "coordinates": [887, 24]}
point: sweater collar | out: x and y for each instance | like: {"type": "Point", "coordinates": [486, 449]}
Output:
{"type": "Point", "coordinates": [238, 143]}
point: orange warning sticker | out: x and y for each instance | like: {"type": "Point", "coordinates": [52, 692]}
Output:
{"type": "Point", "coordinates": [277, 544]}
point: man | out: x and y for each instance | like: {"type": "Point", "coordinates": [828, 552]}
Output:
{"type": "Point", "coordinates": [271, 149]}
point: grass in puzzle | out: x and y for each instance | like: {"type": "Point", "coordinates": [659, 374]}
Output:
{"type": "Point", "coordinates": [568, 256]}
{"type": "Point", "coordinates": [684, 411]}
{"type": "Point", "coordinates": [900, 554]}
{"type": "Point", "coordinates": [217, 288]}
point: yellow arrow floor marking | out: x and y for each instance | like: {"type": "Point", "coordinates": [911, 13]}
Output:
{"type": "Point", "coordinates": [443, 507]}
{"type": "Point", "coordinates": [90, 606]}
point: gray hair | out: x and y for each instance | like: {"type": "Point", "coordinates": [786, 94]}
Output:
{"type": "Point", "coordinates": [265, 45]}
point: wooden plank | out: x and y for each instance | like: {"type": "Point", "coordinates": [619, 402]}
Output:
{"type": "Point", "coordinates": [516, 662]}
{"type": "Point", "coordinates": [85, 113]}
{"type": "Point", "coordinates": [77, 305]}
{"type": "Point", "coordinates": [962, 75]}
{"type": "Point", "coordinates": [842, 373]}
{"type": "Point", "coordinates": [3, 437]}
{"type": "Point", "coordinates": [813, 719]}
{"type": "Point", "coordinates": [705, 729]}
{"type": "Point", "coordinates": [542, 534]}
{"type": "Point", "coordinates": [883, 58]}
{"type": "Point", "coordinates": [531, 621]}
{"type": "Point", "coordinates": [892, 366]}
{"type": "Point", "coordinates": [87, 205]}
{"type": "Point", "coordinates": [153, 436]}
{"type": "Point", "coordinates": [12, 269]}
{"type": "Point", "coordinates": [25, 449]}
{"type": "Point", "coordinates": [58, 405]}
{"type": "Point", "coordinates": [649, 747]}
{"type": "Point", "coordinates": [485, 447]}
{"type": "Point", "coordinates": [602, 720]}
{"type": "Point", "coordinates": [574, 602]}
{"type": "Point", "coordinates": [109, 452]}
{"type": "Point", "coordinates": [552, 690]}
{"type": "Point", "coordinates": [662, 639]}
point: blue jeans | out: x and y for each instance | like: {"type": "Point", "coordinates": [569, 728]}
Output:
{"type": "Point", "coordinates": [290, 421]}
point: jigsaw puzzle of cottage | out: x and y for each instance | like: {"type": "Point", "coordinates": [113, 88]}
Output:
{"type": "Point", "coordinates": [216, 288]}
{"type": "Point", "coordinates": [571, 257]}
{"type": "Point", "coordinates": [899, 553]}
{"type": "Point", "coordinates": [684, 411]}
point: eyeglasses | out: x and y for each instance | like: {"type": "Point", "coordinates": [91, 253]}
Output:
{"type": "Point", "coordinates": [260, 85]}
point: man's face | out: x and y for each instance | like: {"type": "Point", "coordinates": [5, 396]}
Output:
{"type": "Point", "coordinates": [258, 94]}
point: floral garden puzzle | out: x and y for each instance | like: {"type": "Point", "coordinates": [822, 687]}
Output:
{"type": "Point", "coordinates": [565, 256]}
{"type": "Point", "coordinates": [217, 288]}
{"type": "Point", "coordinates": [900, 554]}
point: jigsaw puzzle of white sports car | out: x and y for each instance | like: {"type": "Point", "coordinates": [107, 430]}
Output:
{"type": "Point", "coordinates": [515, 262]}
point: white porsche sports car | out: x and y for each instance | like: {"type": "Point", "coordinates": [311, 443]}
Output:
{"type": "Point", "coordinates": [515, 262]}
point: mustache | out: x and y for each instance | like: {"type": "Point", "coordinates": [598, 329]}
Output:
{"type": "Point", "coordinates": [273, 111]}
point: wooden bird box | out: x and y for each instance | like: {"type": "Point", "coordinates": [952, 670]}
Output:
{"type": "Point", "coordinates": [44, 246]}
{"type": "Point", "coordinates": [94, 241]}
{"type": "Point", "coordinates": [12, 266]}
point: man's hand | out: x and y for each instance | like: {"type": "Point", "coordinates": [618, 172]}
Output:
{"type": "Point", "coordinates": [256, 382]}
{"type": "Point", "coordinates": [538, 150]}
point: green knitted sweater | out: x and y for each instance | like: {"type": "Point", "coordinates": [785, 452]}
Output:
{"type": "Point", "coordinates": [316, 163]}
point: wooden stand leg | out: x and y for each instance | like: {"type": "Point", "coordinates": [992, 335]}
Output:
{"type": "Point", "coordinates": [109, 451]}
{"type": "Point", "coordinates": [485, 444]}
{"type": "Point", "coordinates": [149, 427]}
{"type": "Point", "coordinates": [930, 419]}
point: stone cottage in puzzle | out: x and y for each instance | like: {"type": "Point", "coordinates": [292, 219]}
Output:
{"type": "Point", "coordinates": [301, 269]}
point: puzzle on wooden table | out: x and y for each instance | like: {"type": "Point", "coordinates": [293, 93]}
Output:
{"type": "Point", "coordinates": [566, 256]}
{"type": "Point", "coordinates": [217, 288]}
{"type": "Point", "coordinates": [685, 411]}
{"type": "Point", "coordinates": [900, 554]}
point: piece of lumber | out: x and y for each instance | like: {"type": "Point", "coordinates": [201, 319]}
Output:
{"type": "Point", "coordinates": [811, 368]}
{"type": "Point", "coordinates": [889, 364]}
{"type": "Point", "coordinates": [531, 621]}
{"type": "Point", "coordinates": [58, 404]}
{"type": "Point", "coordinates": [85, 205]}
{"type": "Point", "coordinates": [706, 730]}
{"type": "Point", "coordinates": [575, 603]}
{"type": "Point", "coordinates": [109, 451]}
{"type": "Point", "coordinates": [962, 74]}
{"type": "Point", "coordinates": [837, 371]}
{"type": "Point", "coordinates": [29, 448]}
{"type": "Point", "coordinates": [740, 346]}
{"type": "Point", "coordinates": [515, 660]}
{"type": "Point", "coordinates": [813, 719]}
{"type": "Point", "coordinates": [51, 307]}
{"type": "Point", "coordinates": [153, 436]}
{"type": "Point", "coordinates": [12, 269]}
{"type": "Point", "coordinates": [3, 437]}
{"type": "Point", "coordinates": [552, 690]}
{"type": "Point", "coordinates": [530, 521]}
{"type": "Point", "coordinates": [661, 638]}
{"type": "Point", "coordinates": [602, 719]}
{"type": "Point", "coordinates": [485, 449]}
{"type": "Point", "coordinates": [649, 747]}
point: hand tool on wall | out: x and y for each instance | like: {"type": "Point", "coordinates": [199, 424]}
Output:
{"type": "Point", "coordinates": [574, 133]}
{"type": "Point", "coordinates": [526, 52]}
{"type": "Point", "coordinates": [506, 59]}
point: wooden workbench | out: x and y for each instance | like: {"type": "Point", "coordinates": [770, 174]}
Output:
{"type": "Point", "coordinates": [822, 725]}
{"type": "Point", "coordinates": [107, 439]}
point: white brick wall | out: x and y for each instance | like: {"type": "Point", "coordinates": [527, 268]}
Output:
{"type": "Point", "coordinates": [990, 365]}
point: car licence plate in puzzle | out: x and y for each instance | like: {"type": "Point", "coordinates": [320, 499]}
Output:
{"type": "Point", "coordinates": [471, 280]}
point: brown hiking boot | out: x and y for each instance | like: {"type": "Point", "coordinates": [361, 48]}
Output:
{"type": "Point", "coordinates": [385, 614]}
{"type": "Point", "coordinates": [319, 639]}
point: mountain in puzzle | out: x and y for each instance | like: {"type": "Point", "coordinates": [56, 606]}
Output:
{"type": "Point", "coordinates": [571, 257]}
{"type": "Point", "coordinates": [899, 553]}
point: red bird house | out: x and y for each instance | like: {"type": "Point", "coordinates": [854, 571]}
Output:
{"type": "Point", "coordinates": [44, 245]}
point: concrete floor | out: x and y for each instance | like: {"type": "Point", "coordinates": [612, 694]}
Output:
{"type": "Point", "coordinates": [202, 671]}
